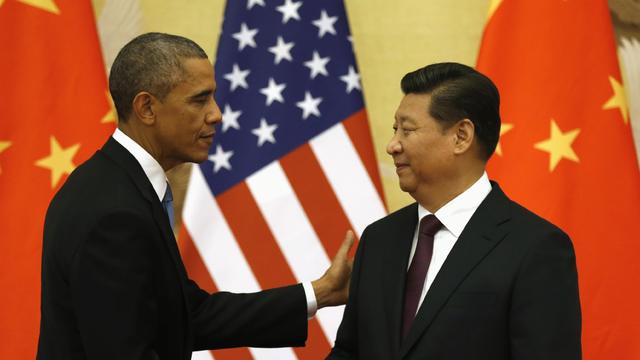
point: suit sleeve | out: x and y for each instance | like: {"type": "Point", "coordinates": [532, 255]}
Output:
{"type": "Point", "coordinates": [545, 312]}
{"type": "Point", "coordinates": [270, 318]}
{"type": "Point", "coordinates": [346, 345]}
{"type": "Point", "coordinates": [110, 285]}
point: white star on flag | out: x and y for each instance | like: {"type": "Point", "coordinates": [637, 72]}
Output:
{"type": "Point", "coordinates": [309, 105]}
{"type": "Point", "coordinates": [245, 37]}
{"type": "Point", "coordinates": [352, 79]}
{"type": "Point", "coordinates": [251, 3]}
{"type": "Point", "coordinates": [325, 24]}
{"type": "Point", "coordinates": [281, 50]}
{"type": "Point", "coordinates": [289, 10]}
{"type": "Point", "coordinates": [221, 159]}
{"type": "Point", "coordinates": [237, 77]}
{"type": "Point", "coordinates": [273, 91]}
{"type": "Point", "coordinates": [230, 118]}
{"type": "Point", "coordinates": [317, 65]}
{"type": "Point", "coordinates": [265, 132]}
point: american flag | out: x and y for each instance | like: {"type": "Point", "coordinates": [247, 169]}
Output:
{"type": "Point", "coordinates": [292, 167]}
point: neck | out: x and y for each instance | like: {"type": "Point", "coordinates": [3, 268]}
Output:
{"type": "Point", "coordinates": [437, 195]}
{"type": "Point", "coordinates": [146, 141]}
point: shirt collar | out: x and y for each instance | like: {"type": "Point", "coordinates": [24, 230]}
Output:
{"type": "Point", "coordinates": [150, 166]}
{"type": "Point", "coordinates": [455, 214]}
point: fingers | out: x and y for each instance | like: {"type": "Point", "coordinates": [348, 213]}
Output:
{"type": "Point", "coordinates": [346, 246]}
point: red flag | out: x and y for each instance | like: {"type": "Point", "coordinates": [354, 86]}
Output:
{"type": "Point", "coordinates": [566, 151]}
{"type": "Point", "coordinates": [54, 114]}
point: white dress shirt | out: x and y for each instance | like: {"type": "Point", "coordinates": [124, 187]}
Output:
{"type": "Point", "coordinates": [454, 216]}
{"type": "Point", "coordinates": [159, 181]}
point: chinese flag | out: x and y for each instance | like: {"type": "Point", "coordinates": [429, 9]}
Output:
{"type": "Point", "coordinates": [54, 114]}
{"type": "Point", "coordinates": [566, 151]}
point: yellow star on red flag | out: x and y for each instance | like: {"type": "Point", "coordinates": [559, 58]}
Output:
{"type": "Point", "coordinates": [618, 99]}
{"type": "Point", "coordinates": [504, 128]}
{"type": "Point", "coordinates": [559, 145]}
{"type": "Point", "coordinates": [4, 145]}
{"type": "Point", "coordinates": [493, 6]}
{"type": "Point", "coordinates": [59, 161]}
{"type": "Point", "coordinates": [46, 5]}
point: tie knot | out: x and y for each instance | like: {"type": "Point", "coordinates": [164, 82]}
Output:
{"type": "Point", "coordinates": [429, 225]}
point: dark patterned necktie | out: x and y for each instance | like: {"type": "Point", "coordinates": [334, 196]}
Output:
{"type": "Point", "coordinates": [417, 273]}
{"type": "Point", "coordinates": [167, 204]}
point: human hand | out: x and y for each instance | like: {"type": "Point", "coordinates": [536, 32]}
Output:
{"type": "Point", "coordinates": [333, 287]}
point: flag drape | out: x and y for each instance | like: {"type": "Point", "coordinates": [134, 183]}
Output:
{"type": "Point", "coordinates": [566, 151]}
{"type": "Point", "coordinates": [54, 114]}
{"type": "Point", "coordinates": [292, 167]}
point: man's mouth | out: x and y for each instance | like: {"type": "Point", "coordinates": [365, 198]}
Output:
{"type": "Point", "coordinates": [400, 166]}
{"type": "Point", "coordinates": [207, 137]}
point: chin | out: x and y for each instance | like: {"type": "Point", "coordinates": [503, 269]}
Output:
{"type": "Point", "coordinates": [408, 188]}
{"type": "Point", "coordinates": [199, 159]}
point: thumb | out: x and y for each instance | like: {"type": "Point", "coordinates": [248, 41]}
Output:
{"type": "Point", "coordinates": [346, 246]}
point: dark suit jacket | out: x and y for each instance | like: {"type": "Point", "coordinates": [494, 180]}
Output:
{"type": "Point", "coordinates": [507, 290]}
{"type": "Point", "coordinates": [114, 285]}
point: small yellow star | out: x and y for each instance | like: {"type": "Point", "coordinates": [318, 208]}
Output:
{"type": "Point", "coordinates": [110, 116]}
{"type": "Point", "coordinates": [493, 6]}
{"type": "Point", "coordinates": [504, 128]}
{"type": "Point", "coordinates": [559, 145]}
{"type": "Point", "coordinates": [617, 100]}
{"type": "Point", "coordinates": [46, 5]}
{"type": "Point", "coordinates": [4, 145]}
{"type": "Point", "coordinates": [60, 161]}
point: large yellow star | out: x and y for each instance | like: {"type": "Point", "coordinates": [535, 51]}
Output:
{"type": "Point", "coordinates": [109, 117]}
{"type": "Point", "coordinates": [4, 145]}
{"type": "Point", "coordinates": [617, 100]}
{"type": "Point", "coordinates": [46, 5]}
{"type": "Point", "coordinates": [60, 161]}
{"type": "Point", "coordinates": [504, 128]}
{"type": "Point", "coordinates": [559, 145]}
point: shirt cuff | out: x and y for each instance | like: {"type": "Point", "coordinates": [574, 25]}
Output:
{"type": "Point", "coordinates": [312, 304]}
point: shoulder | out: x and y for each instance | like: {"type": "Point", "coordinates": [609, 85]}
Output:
{"type": "Point", "coordinates": [531, 233]}
{"type": "Point", "coordinates": [98, 186]}
{"type": "Point", "coordinates": [403, 216]}
{"type": "Point", "coordinates": [526, 220]}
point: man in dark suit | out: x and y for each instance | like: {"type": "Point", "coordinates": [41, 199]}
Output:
{"type": "Point", "coordinates": [465, 273]}
{"type": "Point", "coordinates": [113, 283]}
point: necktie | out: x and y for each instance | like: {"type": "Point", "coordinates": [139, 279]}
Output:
{"type": "Point", "coordinates": [417, 272]}
{"type": "Point", "coordinates": [167, 204]}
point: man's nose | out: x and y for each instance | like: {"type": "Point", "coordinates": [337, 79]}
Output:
{"type": "Point", "coordinates": [394, 146]}
{"type": "Point", "coordinates": [214, 116]}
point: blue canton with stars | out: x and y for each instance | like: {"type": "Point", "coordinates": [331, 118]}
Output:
{"type": "Point", "coordinates": [285, 72]}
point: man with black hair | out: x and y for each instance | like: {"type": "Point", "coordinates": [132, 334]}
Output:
{"type": "Point", "coordinates": [113, 283]}
{"type": "Point", "coordinates": [463, 273]}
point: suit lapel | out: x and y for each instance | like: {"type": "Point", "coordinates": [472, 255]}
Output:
{"type": "Point", "coordinates": [130, 165]}
{"type": "Point", "coordinates": [400, 235]}
{"type": "Point", "coordinates": [486, 228]}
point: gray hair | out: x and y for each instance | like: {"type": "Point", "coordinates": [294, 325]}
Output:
{"type": "Point", "coordinates": [151, 62]}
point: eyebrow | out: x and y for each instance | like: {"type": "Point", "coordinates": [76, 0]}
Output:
{"type": "Point", "coordinates": [405, 119]}
{"type": "Point", "coordinates": [203, 93]}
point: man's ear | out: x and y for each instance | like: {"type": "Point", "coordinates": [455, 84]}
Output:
{"type": "Point", "coordinates": [464, 132]}
{"type": "Point", "coordinates": [143, 107]}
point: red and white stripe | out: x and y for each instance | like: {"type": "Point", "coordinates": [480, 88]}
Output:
{"type": "Point", "coordinates": [273, 229]}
